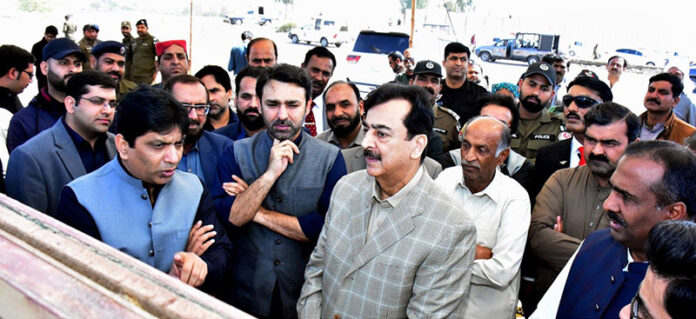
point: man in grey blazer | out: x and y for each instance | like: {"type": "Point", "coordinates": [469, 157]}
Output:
{"type": "Point", "coordinates": [393, 245]}
{"type": "Point", "coordinates": [75, 145]}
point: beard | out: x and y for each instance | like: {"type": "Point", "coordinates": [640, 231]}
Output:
{"type": "Point", "coordinates": [216, 110]}
{"type": "Point", "coordinates": [532, 106]}
{"type": "Point", "coordinates": [252, 123]}
{"type": "Point", "coordinates": [192, 134]}
{"type": "Point", "coordinates": [344, 130]}
{"type": "Point", "coordinates": [59, 83]}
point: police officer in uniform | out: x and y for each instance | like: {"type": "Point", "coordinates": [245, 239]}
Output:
{"type": "Point", "coordinates": [143, 66]}
{"type": "Point", "coordinates": [88, 42]}
{"type": "Point", "coordinates": [110, 57]}
{"type": "Point", "coordinates": [128, 42]}
{"type": "Point", "coordinates": [538, 127]}
{"type": "Point", "coordinates": [428, 75]}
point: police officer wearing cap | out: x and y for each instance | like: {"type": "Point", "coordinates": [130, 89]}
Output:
{"type": "Point", "coordinates": [128, 41]}
{"type": "Point", "coordinates": [110, 57]}
{"type": "Point", "coordinates": [538, 127]}
{"type": "Point", "coordinates": [428, 75]}
{"type": "Point", "coordinates": [143, 66]}
{"type": "Point", "coordinates": [61, 59]}
{"type": "Point", "coordinates": [89, 41]}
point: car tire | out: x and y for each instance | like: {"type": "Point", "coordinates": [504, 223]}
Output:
{"type": "Point", "coordinates": [338, 44]}
{"type": "Point", "coordinates": [294, 38]}
{"type": "Point", "coordinates": [571, 53]}
{"type": "Point", "coordinates": [324, 42]}
{"type": "Point", "coordinates": [650, 64]}
{"type": "Point", "coordinates": [485, 56]}
{"type": "Point", "coordinates": [532, 59]}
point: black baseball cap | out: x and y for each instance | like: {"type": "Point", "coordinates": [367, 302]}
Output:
{"type": "Point", "coordinates": [428, 67]}
{"type": "Point", "coordinates": [544, 69]}
{"type": "Point", "coordinates": [141, 21]}
{"type": "Point", "coordinates": [60, 48]}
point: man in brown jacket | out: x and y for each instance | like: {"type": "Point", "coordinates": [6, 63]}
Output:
{"type": "Point", "coordinates": [569, 206]}
{"type": "Point", "coordinates": [658, 121]}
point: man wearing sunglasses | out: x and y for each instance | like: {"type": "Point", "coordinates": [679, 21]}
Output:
{"type": "Point", "coordinates": [583, 93]}
{"type": "Point", "coordinates": [202, 149]}
{"type": "Point", "coordinates": [669, 288]}
{"type": "Point", "coordinates": [652, 183]}
{"type": "Point", "coordinates": [75, 145]}
{"type": "Point", "coordinates": [569, 206]}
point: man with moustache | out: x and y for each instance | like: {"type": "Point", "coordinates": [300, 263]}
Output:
{"type": "Point", "coordinates": [652, 183]}
{"type": "Point", "coordinates": [144, 54]}
{"type": "Point", "coordinates": [75, 145]}
{"type": "Point", "coordinates": [217, 82]}
{"type": "Point", "coordinates": [344, 109]}
{"type": "Point", "coordinates": [319, 63]}
{"type": "Point", "coordinates": [624, 93]}
{"type": "Point", "coordinates": [285, 179]}
{"type": "Point", "coordinates": [499, 207]}
{"type": "Point", "coordinates": [458, 94]}
{"type": "Point", "coordinates": [247, 103]}
{"type": "Point", "coordinates": [156, 205]}
{"type": "Point", "coordinates": [202, 149]}
{"type": "Point", "coordinates": [616, 66]}
{"type": "Point", "coordinates": [428, 75]}
{"type": "Point", "coordinates": [110, 57]}
{"type": "Point", "coordinates": [537, 127]}
{"type": "Point", "coordinates": [685, 109]}
{"type": "Point", "coordinates": [659, 121]}
{"type": "Point", "coordinates": [128, 42]}
{"type": "Point", "coordinates": [172, 60]}
{"type": "Point", "coordinates": [393, 245]}
{"type": "Point", "coordinates": [583, 93]}
{"type": "Point", "coordinates": [569, 206]}
{"type": "Point", "coordinates": [62, 59]}
{"type": "Point", "coordinates": [396, 63]}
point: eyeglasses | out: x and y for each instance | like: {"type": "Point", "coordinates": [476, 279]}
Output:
{"type": "Point", "coordinates": [201, 109]}
{"type": "Point", "coordinates": [582, 102]}
{"type": "Point", "coordinates": [112, 104]}
{"type": "Point", "coordinates": [636, 304]}
{"type": "Point", "coordinates": [30, 74]}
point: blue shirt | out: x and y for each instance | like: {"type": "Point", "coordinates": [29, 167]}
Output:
{"type": "Point", "coordinates": [238, 59]}
{"type": "Point", "coordinates": [191, 162]}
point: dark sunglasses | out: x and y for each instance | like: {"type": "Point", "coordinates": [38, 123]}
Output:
{"type": "Point", "coordinates": [582, 102]}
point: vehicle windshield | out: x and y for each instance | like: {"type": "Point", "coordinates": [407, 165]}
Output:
{"type": "Point", "coordinates": [380, 43]}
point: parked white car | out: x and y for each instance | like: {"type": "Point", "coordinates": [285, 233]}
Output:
{"type": "Point", "coordinates": [324, 32]}
{"type": "Point", "coordinates": [640, 57]}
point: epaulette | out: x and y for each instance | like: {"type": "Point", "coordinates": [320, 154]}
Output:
{"type": "Point", "coordinates": [453, 114]}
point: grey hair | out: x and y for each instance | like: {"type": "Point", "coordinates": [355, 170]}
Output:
{"type": "Point", "coordinates": [505, 134]}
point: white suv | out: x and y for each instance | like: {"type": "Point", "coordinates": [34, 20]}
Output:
{"type": "Point", "coordinates": [324, 32]}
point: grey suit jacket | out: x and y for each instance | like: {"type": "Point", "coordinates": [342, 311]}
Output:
{"type": "Point", "coordinates": [355, 161]}
{"type": "Point", "coordinates": [39, 168]}
{"type": "Point", "coordinates": [417, 264]}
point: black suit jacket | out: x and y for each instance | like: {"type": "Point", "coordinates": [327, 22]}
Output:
{"type": "Point", "coordinates": [550, 158]}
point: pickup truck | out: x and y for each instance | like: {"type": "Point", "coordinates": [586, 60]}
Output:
{"type": "Point", "coordinates": [529, 47]}
{"type": "Point", "coordinates": [250, 17]}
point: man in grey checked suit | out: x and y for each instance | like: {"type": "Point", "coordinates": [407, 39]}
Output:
{"type": "Point", "coordinates": [393, 245]}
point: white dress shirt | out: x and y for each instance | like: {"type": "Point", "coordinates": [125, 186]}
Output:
{"type": "Point", "coordinates": [574, 152]}
{"type": "Point", "coordinates": [501, 213]}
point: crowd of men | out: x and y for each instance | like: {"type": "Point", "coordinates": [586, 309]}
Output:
{"type": "Point", "coordinates": [287, 194]}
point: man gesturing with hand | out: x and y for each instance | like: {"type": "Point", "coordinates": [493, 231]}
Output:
{"type": "Point", "coordinates": [282, 180]}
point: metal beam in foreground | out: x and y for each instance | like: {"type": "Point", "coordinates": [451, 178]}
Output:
{"type": "Point", "coordinates": [50, 270]}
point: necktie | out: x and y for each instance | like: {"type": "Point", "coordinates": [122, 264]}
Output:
{"type": "Point", "coordinates": [581, 153]}
{"type": "Point", "coordinates": [310, 123]}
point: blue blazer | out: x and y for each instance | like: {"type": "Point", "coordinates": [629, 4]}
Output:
{"type": "Point", "coordinates": [211, 147]}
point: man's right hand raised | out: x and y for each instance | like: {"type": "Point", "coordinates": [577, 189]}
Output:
{"type": "Point", "coordinates": [282, 154]}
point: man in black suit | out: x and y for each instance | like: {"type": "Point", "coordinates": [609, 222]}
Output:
{"type": "Point", "coordinates": [584, 92]}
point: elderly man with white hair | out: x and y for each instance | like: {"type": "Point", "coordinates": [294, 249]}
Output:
{"type": "Point", "coordinates": [685, 110]}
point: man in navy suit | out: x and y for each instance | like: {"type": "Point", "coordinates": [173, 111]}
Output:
{"type": "Point", "coordinates": [653, 182]}
{"type": "Point", "coordinates": [202, 148]}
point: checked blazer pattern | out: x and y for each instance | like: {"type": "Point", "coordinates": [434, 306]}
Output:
{"type": "Point", "coordinates": [416, 264]}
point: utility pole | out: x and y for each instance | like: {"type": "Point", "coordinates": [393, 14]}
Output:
{"type": "Point", "coordinates": [190, 53]}
{"type": "Point", "coordinates": [413, 22]}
